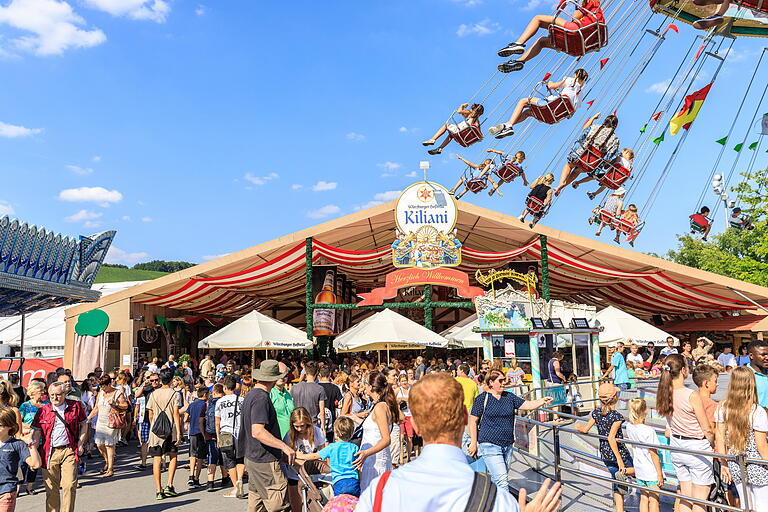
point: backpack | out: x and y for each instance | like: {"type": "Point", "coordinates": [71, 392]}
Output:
{"type": "Point", "coordinates": [210, 416]}
{"type": "Point", "coordinates": [163, 426]}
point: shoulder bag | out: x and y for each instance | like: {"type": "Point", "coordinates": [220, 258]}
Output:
{"type": "Point", "coordinates": [116, 418]}
{"type": "Point", "coordinates": [226, 439]}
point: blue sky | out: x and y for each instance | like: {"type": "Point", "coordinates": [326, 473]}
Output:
{"type": "Point", "coordinates": [199, 128]}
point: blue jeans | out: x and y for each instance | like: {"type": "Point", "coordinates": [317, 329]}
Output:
{"type": "Point", "coordinates": [347, 486]}
{"type": "Point", "coordinates": [497, 461]}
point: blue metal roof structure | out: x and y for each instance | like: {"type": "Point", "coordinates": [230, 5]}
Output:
{"type": "Point", "coordinates": [40, 269]}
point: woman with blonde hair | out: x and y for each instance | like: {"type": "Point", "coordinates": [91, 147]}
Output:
{"type": "Point", "coordinates": [304, 437]}
{"type": "Point", "coordinates": [9, 399]}
{"type": "Point", "coordinates": [28, 410]}
{"type": "Point", "coordinates": [741, 430]}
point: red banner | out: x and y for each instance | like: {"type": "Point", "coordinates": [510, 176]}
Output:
{"type": "Point", "coordinates": [417, 276]}
{"type": "Point", "coordinates": [33, 368]}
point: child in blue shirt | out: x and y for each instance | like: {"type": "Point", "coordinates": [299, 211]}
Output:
{"type": "Point", "coordinates": [345, 478]}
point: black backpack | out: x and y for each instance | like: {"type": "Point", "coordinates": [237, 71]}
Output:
{"type": "Point", "coordinates": [210, 416]}
{"type": "Point", "coordinates": [163, 426]}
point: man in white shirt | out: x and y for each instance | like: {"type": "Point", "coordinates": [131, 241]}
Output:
{"type": "Point", "coordinates": [440, 478]}
{"type": "Point", "coordinates": [227, 414]}
{"type": "Point", "coordinates": [670, 348]}
{"type": "Point", "coordinates": [726, 359]}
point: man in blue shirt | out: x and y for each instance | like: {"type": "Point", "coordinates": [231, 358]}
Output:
{"type": "Point", "coordinates": [758, 355]}
{"type": "Point", "coordinates": [198, 448]}
{"type": "Point", "coordinates": [440, 478]}
{"type": "Point", "coordinates": [620, 377]}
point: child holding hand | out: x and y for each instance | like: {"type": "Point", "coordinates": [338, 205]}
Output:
{"type": "Point", "coordinates": [345, 478]}
{"type": "Point", "coordinates": [648, 472]}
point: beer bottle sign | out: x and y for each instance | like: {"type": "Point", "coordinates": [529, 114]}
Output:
{"type": "Point", "coordinates": [324, 320]}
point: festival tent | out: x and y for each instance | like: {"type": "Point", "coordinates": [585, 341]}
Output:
{"type": "Point", "coordinates": [462, 335]}
{"type": "Point", "coordinates": [387, 330]}
{"type": "Point", "coordinates": [256, 331]}
{"type": "Point", "coordinates": [621, 326]}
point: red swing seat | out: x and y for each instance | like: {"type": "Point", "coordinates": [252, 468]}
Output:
{"type": "Point", "coordinates": [553, 112]}
{"type": "Point", "coordinates": [591, 159]}
{"type": "Point", "coordinates": [535, 206]}
{"type": "Point", "coordinates": [755, 5]}
{"type": "Point", "coordinates": [508, 172]}
{"type": "Point", "coordinates": [607, 218]}
{"type": "Point", "coordinates": [585, 39]}
{"type": "Point", "coordinates": [476, 185]}
{"type": "Point", "coordinates": [628, 229]}
{"type": "Point", "coordinates": [615, 176]}
{"type": "Point", "coordinates": [468, 135]}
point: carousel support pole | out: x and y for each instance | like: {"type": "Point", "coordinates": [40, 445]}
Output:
{"type": "Point", "coordinates": [309, 295]}
{"type": "Point", "coordinates": [544, 268]}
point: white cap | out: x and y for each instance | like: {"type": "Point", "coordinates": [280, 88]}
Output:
{"type": "Point", "coordinates": [620, 191]}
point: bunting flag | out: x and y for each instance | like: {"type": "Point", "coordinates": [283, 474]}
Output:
{"type": "Point", "coordinates": [657, 115]}
{"type": "Point", "coordinates": [589, 103]}
{"type": "Point", "coordinates": [738, 147]}
{"type": "Point", "coordinates": [642, 130]}
{"type": "Point", "coordinates": [673, 27]}
{"type": "Point", "coordinates": [722, 141]}
{"type": "Point", "coordinates": [690, 110]}
{"type": "Point", "coordinates": [603, 62]}
{"type": "Point", "coordinates": [701, 49]}
{"type": "Point", "coordinates": [658, 140]}
{"type": "Point", "coordinates": [753, 146]}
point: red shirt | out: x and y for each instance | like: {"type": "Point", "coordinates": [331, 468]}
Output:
{"type": "Point", "coordinates": [700, 219]}
{"type": "Point", "coordinates": [588, 9]}
{"type": "Point", "coordinates": [74, 415]}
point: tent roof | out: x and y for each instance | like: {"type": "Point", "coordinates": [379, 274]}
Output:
{"type": "Point", "coordinates": [256, 331]}
{"type": "Point", "coordinates": [387, 328]}
{"type": "Point", "coordinates": [581, 270]}
{"type": "Point", "coordinates": [742, 323]}
{"type": "Point", "coordinates": [621, 326]}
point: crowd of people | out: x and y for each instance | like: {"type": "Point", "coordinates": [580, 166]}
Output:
{"type": "Point", "coordinates": [258, 433]}
{"type": "Point", "coordinates": [736, 426]}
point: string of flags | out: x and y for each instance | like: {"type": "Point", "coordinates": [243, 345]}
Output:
{"type": "Point", "coordinates": [738, 147]}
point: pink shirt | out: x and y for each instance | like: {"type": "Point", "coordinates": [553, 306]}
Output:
{"type": "Point", "coordinates": [683, 421]}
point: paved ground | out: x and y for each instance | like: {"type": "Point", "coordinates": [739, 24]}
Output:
{"type": "Point", "coordinates": [131, 490]}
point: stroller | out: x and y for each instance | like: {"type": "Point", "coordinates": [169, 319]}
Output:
{"type": "Point", "coordinates": [313, 500]}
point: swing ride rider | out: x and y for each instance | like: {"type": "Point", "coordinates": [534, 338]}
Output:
{"type": "Point", "coordinates": [571, 90]}
{"type": "Point", "coordinates": [471, 116]}
{"type": "Point", "coordinates": [516, 161]}
{"type": "Point", "coordinates": [602, 137]}
{"type": "Point", "coordinates": [541, 189]}
{"type": "Point", "coordinates": [625, 160]}
{"type": "Point", "coordinates": [589, 12]}
{"type": "Point", "coordinates": [701, 221]}
{"type": "Point", "coordinates": [485, 168]}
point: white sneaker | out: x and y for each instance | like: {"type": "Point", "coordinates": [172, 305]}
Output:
{"type": "Point", "coordinates": [493, 130]}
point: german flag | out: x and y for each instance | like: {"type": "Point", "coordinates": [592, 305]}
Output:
{"type": "Point", "coordinates": [690, 110]}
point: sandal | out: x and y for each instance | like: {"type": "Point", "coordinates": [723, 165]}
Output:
{"type": "Point", "coordinates": [435, 151]}
{"type": "Point", "coordinates": [428, 143]}
{"type": "Point", "coordinates": [108, 474]}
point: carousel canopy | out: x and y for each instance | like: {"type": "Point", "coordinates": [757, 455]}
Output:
{"type": "Point", "coordinates": [256, 331]}
{"type": "Point", "coordinates": [387, 330]}
{"type": "Point", "coordinates": [620, 326]}
{"type": "Point", "coordinates": [40, 269]}
{"type": "Point", "coordinates": [271, 275]}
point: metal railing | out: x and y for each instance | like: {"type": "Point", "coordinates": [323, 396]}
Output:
{"type": "Point", "coordinates": [559, 447]}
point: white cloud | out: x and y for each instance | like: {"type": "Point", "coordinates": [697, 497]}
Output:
{"type": "Point", "coordinates": [83, 215]}
{"type": "Point", "coordinates": [82, 171]}
{"type": "Point", "coordinates": [11, 131]}
{"type": "Point", "coordinates": [53, 27]}
{"type": "Point", "coordinates": [296, 186]}
{"type": "Point", "coordinates": [389, 166]}
{"type": "Point", "coordinates": [127, 218]}
{"type": "Point", "coordinates": [403, 129]}
{"type": "Point", "coordinates": [214, 256]}
{"type": "Point", "coordinates": [201, 10]}
{"type": "Point", "coordinates": [356, 137]}
{"type": "Point", "coordinates": [96, 158]}
{"type": "Point", "coordinates": [379, 198]}
{"type": "Point", "coordinates": [322, 186]}
{"type": "Point", "coordinates": [152, 10]}
{"type": "Point", "coordinates": [6, 208]}
{"type": "Point", "coordinates": [481, 28]}
{"type": "Point", "coordinates": [468, 3]}
{"type": "Point", "coordinates": [116, 255]}
{"type": "Point", "coordinates": [369, 204]}
{"type": "Point", "coordinates": [91, 194]}
{"type": "Point", "coordinates": [91, 224]}
{"type": "Point", "coordinates": [412, 174]}
{"type": "Point", "coordinates": [146, 219]}
{"type": "Point", "coordinates": [659, 87]}
{"type": "Point", "coordinates": [260, 180]}
{"type": "Point", "coordinates": [324, 211]}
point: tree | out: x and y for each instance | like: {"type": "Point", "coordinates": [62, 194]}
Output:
{"type": "Point", "coordinates": [163, 266]}
{"type": "Point", "coordinates": [741, 254]}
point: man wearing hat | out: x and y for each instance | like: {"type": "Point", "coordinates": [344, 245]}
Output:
{"type": "Point", "coordinates": [261, 443]}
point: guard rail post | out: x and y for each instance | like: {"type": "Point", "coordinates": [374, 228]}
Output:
{"type": "Point", "coordinates": [556, 448]}
{"type": "Point", "coordinates": [744, 482]}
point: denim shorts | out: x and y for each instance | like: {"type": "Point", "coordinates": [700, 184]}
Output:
{"type": "Point", "coordinates": [613, 468]}
{"type": "Point", "coordinates": [347, 486]}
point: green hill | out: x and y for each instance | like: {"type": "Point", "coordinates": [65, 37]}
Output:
{"type": "Point", "coordinates": [117, 274]}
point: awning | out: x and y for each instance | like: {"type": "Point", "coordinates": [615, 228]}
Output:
{"type": "Point", "coordinates": [741, 323]}
{"type": "Point", "coordinates": [256, 331]}
{"type": "Point", "coordinates": [387, 330]}
{"type": "Point", "coordinates": [621, 326]}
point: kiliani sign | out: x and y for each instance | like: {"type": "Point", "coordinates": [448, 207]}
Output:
{"type": "Point", "coordinates": [417, 276]}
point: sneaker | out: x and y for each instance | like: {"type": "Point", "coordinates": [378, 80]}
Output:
{"type": "Point", "coordinates": [493, 130]}
{"type": "Point", "coordinates": [512, 49]}
{"type": "Point", "coordinates": [170, 492]}
{"type": "Point", "coordinates": [192, 483]}
{"type": "Point", "coordinates": [621, 489]}
{"type": "Point", "coordinates": [708, 22]}
{"type": "Point", "coordinates": [160, 496]}
{"type": "Point", "coordinates": [140, 467]}
{"type": "Point", "coordinates": [210, 486]}
{"type": "Point", "coordinates": [506, 132]}
{"type": "Point", "coordinates": [239, 489]}
{"type": "Point", "coordinates": [428, 143]}
{"type": "Point", "coordinates": [435, 151]}
{"type": "Point", "coordinates": [591, 195]}
{"type": "Point", "coordinates": [510, 66]}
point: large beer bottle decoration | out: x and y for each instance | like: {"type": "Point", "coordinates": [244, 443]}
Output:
{"type": "Point", "coordinates": [324, 319]}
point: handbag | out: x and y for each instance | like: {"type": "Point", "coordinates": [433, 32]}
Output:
{"type": "Point", "coordinates": [227, 440]}
{"type": "Point", "coordinates": [116, 419]}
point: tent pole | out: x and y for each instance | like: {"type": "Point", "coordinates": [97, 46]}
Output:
{"type": "Point", "coordinates": [253, 358]}
{"type": "Point", "coordinates": [387, 354]}
{"type": "Point", "coordinates": [378, 352]}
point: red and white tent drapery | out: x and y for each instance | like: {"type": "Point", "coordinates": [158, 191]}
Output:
{"type": "Point", "coordinates": [281, 280]}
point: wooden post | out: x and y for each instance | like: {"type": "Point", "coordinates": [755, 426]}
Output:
{"type": "Point", "coordinates": [309, 295]}
{"type": "Point", "coordinates": [544, 268]}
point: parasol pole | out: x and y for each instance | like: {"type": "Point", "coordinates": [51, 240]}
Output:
{"type": "Point", "coordinates": [253, 358]}
{"type": "Point", "coordinates": [378, 352]}
{"type": "Point", "coordinates": [387, 354]}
